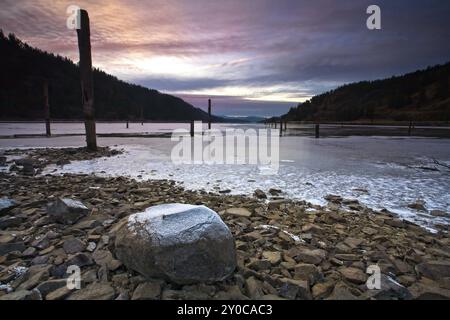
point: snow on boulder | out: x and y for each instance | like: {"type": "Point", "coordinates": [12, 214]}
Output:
{"type": "Point", "coordinates": [179, 242]}
{"type": "Point", "coordinates": [67, 211]}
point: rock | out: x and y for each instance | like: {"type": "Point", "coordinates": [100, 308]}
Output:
{"type": "Point", "coordinates": [418, 205]}
{"type": "Point", "coordinates": [354, 275]}
{"type": "Point", "coordinates": [389, 290]}
{"type": "Point", "coordinates": [341, 292]}
{"type": "Point", "coordinates": [322, 290]}
{"type": "Point", "coordinates": [274, 192]}
{"type": "Point", "coordinates": [80, 259]}
{"type": "Point", "coordinates": [34, 276]}
{"type": "Point", "coordinates": [59, 294]}
{"type": "Point", "coordinates": [307, 272]}
{"type": "Point", "coordinates": [10, 222]}
{"type": "Point", "coordinates": [51, 285]}
{"type": "Point", "coordinates": [240, 212]}
{"type": "Point", "coordinates": [292, 289]}
{"type": "Point", "coordinates": [275, 204]}
{"type": "Point", "coordinates": [91, 246]}
{"type": "Point", "coordinates": [94, 291]}
{"type": "Point", "coordinates": [259, 265]}
{"type": "Point", "coordinates": [274, 257]}
{"type": "Point", "coordinates": [315, 256]}
{"type": "Point", "coordinates": [397, 223]}
{"type": "Point", "coordinates": [253, 288]}
{"type": "Point", "coordinates": [29, 252]}
{"type": "Point", "coordinates": [22, 295]}
{"type": "Point", "coordinates": [439, 213]}
{"type": "Point", "coordinates": [333, 198]}
{"type": "Point", "coordinates": [73, 245]}
{"type": "Point", "coordinates": [428, 291]}
{"type": "Point", "coordinates": [6, 248]}
{"type": "Point", "coordinates": [67, 211]}
{"type": "Point", "coordinates": [260, 194]}
{"type": "Point", "coordinates": [7, 205]}
{"type": "Point", "coordinates": [149, 290]}
{"type": "Point", "coordinates": [182, 243]}
{"type": "Point", "coordinates": [435, 270]}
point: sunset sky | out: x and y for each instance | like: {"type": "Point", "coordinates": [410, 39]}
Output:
{"type": "Point", "coordinates": [252, 57]}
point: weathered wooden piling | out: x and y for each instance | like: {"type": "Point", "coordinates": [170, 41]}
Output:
{"type": "Point", "coordinates": [46, 109]}
{"type": "Point", "coordinates": [209, 114]}
{"type": "Point", "coordinates": [285, 125]}
{"type": "Point", "coordinates": [317, 130]}
{"type": "Point", "coordinates": [281, 127]}
{"type": "Point", "coordinates": [128, 125]}
{"type": "Point", "coordinates": [87, 90]}
{"type": "Point", "coordinates": [410, 128]}
{"type": "Point", "coordinates": [192, 128]}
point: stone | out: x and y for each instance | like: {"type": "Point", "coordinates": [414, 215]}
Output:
{"type": "Point", "coordinates": [275, 204]}
{"type": "Point", "coordinates": [292, 289]}
{"type": "Point", "coordinates": [67, 211]}
{"type": "Point", "coordinates": [73, 245]}
{"type": "Point", "coordinates": [260, 194]}
{"type": "Point", "coordinates": [418, 205]}
{"type": "Point", "coordinates": [7, 205]}
{"type": "Point", "coordinates": [428, 291]}
{"type": "Point", "coordinates": [253, 288]}
{"type": "Point", "coordinates": [10, 222]}
{"type": "Point", "coordinates": [315, 256]}
{"type": "Point", "coordinates": [179, 242]}
{"type": "Point", "coordinates": [22, 295]}
{"type": "Point", "coordinates": [389, 290]}
{"type": "Point", "coordinates": [6, 248]}
{"type": "Point", "coordinates": [59, 294]}
{"type": "Point", "coordinates": [51, 285]}
{"type": "Point", "coordinates": [80, 259]}
{"type": "Point", "coordinates": [149, 290]}
{"type": "Point", "coordinates": [435, 270]}
{"type": "Point", "coordinates": [94, 291]}
{"type": "Point", "coordinates": [91, 246]}
{"type": "Point", "coordinates": [333, 198]}
{"type": "Point", "coordinates": [354, 275]}
{"type": "Point", "coordinates": [439, 213]}
{"type": "Point", "coordinates": [308, 272]}
{"type": "Point", "coordinates": [239, 212]}
{"type": "Point", "coordinates": [274, 257]}
{"type": "Point", "coordinates": [259, 265]}
{"type": "Point", "coordinates": [341, 292]}
{"type": "Point", "coordinates": [322, 290]}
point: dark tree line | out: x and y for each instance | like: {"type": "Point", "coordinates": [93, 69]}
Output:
{"type": "Point", "coordinates": [23, 69]}
{"type": "Point", "coordinates": [421, 95]}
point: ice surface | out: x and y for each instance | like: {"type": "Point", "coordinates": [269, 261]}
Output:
{"type": "Point", "coordinates": [388, 168]}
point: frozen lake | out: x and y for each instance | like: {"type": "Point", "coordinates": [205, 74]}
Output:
{"type": "Point", "coordinates": [391, 169]}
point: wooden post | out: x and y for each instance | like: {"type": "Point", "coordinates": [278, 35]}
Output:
{"type": "Point", "coordinates": [87, 90]}
{"type": "Point", "coordinates": [209, 114]}
{"type": "Point", "coordinates": [142, 116]}
{"type": "Point", "coordinates": [46, 110]}
{"type": "Point", "coordinates": [285, 125]}
{"type": "Point", "coordinates": [317, 130]}
{"type": "Point", "coordinates": [409, 128]}
{"type": "Point", "coordinates": [192, 128]}
{"type": "Point", "coordinates": [281, 127]}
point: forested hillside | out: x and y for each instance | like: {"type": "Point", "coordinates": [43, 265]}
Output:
{"type": "Point", "coordinates": [23, 70]}
{"type": "Point", "coordinates": [422, 95]}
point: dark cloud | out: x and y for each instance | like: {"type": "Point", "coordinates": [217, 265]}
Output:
{"type": "Point", "coordinates": [288, 48]}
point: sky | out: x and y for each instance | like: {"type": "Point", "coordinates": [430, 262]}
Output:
{"type": "Point", "coordinates": [251, 57]}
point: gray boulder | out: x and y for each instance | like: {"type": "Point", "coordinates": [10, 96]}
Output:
{"type": "Point", "coordinates": [178, 242]}
{"type": "Point", "coordinates": [67, 211]}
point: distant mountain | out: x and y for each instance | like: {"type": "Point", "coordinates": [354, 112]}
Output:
{"type": "Point", "coordinates": [242, 119]}
{"type": "Point", "coordinates": [422, 95]}
{"type": "Point", "coordinates": [23, 68]}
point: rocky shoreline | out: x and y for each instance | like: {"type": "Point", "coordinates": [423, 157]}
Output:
{"type": "Point", "coordinates": [285, 249]}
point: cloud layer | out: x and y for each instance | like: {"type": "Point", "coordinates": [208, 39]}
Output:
{"type": "Point", "coordinates": [253, 57]}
